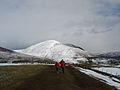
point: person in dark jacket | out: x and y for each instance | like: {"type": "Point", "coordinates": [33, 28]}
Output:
{"type": "Point", "coordinates": [57, 67]}
{"type": "Point", "coordinates": [62, 65]}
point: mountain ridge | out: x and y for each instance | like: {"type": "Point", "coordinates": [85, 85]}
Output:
{"type": "Point", "coordinates": [6, 50]}
{"type": "Point", "coordinates": [111, 54]}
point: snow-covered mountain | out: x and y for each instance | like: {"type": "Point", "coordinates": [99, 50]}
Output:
{"type": "Point", "coordinates": [9, 56]}
{"type": "Point", "coordinates": [55, 50]}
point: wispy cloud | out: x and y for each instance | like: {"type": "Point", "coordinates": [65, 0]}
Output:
{"type": "Point", "coordinates": [109, 8]}
{"type": "Point", "coordinates": [74, 21]}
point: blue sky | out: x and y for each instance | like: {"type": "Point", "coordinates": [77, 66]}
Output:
{"type": "Point", "coordinates": [91, 24]}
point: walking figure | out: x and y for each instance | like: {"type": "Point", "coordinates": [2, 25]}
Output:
{"type": "Point", "coordinates": [57, 67]}
{"type": "Point", "coordinates": [62, 65]}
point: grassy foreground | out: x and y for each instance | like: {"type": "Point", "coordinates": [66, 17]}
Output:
{"type": "Point", "coordinates": [38, 77]}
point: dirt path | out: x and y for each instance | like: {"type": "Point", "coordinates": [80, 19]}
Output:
{"type": "Point", "coordinates": [70, 80]}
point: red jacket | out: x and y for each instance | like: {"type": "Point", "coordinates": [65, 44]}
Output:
{"type": "Point", "coordinates": [62, 63]}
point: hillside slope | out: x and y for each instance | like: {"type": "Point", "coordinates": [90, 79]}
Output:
{"type": "Point", "coordinates": [55, 50]}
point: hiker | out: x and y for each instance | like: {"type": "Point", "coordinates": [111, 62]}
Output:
{"type": "Point", "coordinates": [57, 67]}
{"type": "Point", "coordinates": [62, 65]}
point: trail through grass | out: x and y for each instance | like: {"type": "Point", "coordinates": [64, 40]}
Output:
{"type": "Point", "coordinates": [39, 77]}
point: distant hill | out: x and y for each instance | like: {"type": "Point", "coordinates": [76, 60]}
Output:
{"type": "Point", "coordinates": [6, 50]}
{"type": "Point", "coordinates": [9, 56]}
{"type": "Point", "coordinates": [111, 54]}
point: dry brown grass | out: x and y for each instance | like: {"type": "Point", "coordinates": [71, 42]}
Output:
{"type": "Point", "coordinates": [45, 78]}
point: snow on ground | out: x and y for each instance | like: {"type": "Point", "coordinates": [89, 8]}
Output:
{"type": "Point", "coordinates": [111, 81]}
{"type": "Point", "coordinates": [118, 66]}
{"type": "Point", "coordinates": [110, 70]}
{"type": "Point", "coordinates": [8, 64]}
{"type": "Point", "coordinates": [14, 64]}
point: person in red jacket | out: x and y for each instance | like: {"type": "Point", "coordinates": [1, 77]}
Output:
{"type": "Point", "coordinates": [62, 65]}
{"type": "Point", "coordinates": [57, 67]}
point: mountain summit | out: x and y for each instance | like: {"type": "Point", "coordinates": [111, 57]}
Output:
{"type": "Point", "coordinates": [55, 50]}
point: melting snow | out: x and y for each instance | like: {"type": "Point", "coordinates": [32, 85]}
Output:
{"type": "Point", "coordinates": [105, 79]}
{"type": "Point", "coordinates": [110, 70]}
